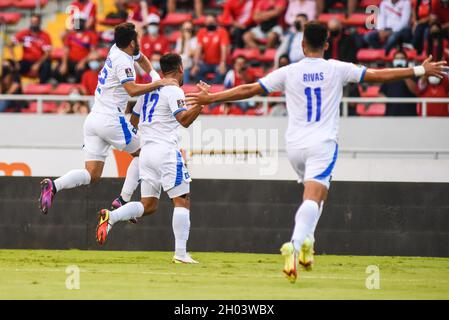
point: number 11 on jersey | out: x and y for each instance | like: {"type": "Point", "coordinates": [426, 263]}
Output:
{"type": "Point", "coordinates": [317, 92]}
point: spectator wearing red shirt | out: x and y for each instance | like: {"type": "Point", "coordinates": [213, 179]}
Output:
{"type": "Point", "coordinates": [153, 41]}
{"type": "Point", "coordinates": [437, 43]}
{"type": "Point", "coordinates": [141, 11]}
{"type": "Point", "coordinates": [89, 79]}
{"type": "Point", "coordinates": [238, 14]}
{"type": "Point", "coordinates": [36, 50]}
{"type": "Point", "coordinates": [433, 87]}
{"type": "Point", "coordinates": [268, 15]}
{"type": "Point", "coordinates": [84, 9]}
{"type": "Point", "coordinates": [440, 11]}
{"type": "Point", "coordinates": [420, 20]}
{"type": "Point", "coordinates": [78, 43]}
{"type": "Point", "coordinates": [212, 51]}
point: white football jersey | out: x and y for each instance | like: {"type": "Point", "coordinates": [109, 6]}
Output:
{"type": "Point", "coordinates": [110, 95]}
{"type": "Point", "coordinates": [313, 89]}
{"type": "Point", "coordinates": [157, 111]}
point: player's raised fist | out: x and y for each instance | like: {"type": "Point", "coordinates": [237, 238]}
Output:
{"type": "Point", "coordinates": [437, 69]}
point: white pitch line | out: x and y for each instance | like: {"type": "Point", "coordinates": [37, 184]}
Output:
{"type": "Point", "coordinates": [62, 271]}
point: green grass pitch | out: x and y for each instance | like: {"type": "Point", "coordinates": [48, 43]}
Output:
{"type": "Point", "coordinates": [41, 274]}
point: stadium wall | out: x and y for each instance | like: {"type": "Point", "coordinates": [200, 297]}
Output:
{"type": "Point", "coordinates": [360, 218]}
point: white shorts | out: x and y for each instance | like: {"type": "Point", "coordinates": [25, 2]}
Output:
{"type": "Point", "coordinates": [315, 163]}
{"type": "Point", "coordinates": [101, 131]}
{"type": "Point", "coordinates": [162, 166]}
{"type": "Point", "coordinates": [260, 35]}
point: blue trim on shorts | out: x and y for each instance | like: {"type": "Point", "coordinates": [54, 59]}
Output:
{"type": "Point", "coordinates": [178, 168]}
{"type": "Point", "coordinates": [125, 129]}
{"type": "Point", "coordinates": [263, 86]}
{"type": "Point", "coordinates": [326, 173]}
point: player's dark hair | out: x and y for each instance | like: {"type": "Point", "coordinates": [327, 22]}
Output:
{"type": "Point", "coordinates": [170, 62]}
{"type": "Point", "coordinates": [124, 33]}
{"type": "Point", "coordinates": [315, 35]}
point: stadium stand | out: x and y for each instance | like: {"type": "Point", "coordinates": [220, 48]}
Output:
{"type": "Point", "coordinates": [15, 17]}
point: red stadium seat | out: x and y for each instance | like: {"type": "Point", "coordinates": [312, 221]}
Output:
{"type": "Point", "coordinates": [199, 21]}
{"type": "Point", "coordinates": [356, 20]}
{"type": "Point", "coordinates": [249, 54]}
{"type": "Point", "coordinates": [57, 53]}
{"type": "Point", "coordinates": [175, 19]}
{"type": "Point", "coordinates": [370, 55]}
{"type": "Point", "coordinates": [370, 92]}
{"type": "Point", "coordinates": [411, 54]}
{"type": "Point", "coordinates": [268, 56]}
{"type": "Point", "coordinates": [325, 17]}
{"type": "Point", "coordinates": [5, 4]}
{"type": "Point", "coordinates": [111, 22]}
{"type": "Point", "coordinates": [37, 88]}
{"type": "Point", "coordinates": [10, 17]}
{"type": "Point", "coordinates": [234, 110]}
{"type": "Point", "coordinates": [64, 88]}
{"type": "Point", "coordinates": [47, 107]}
{"type": "Point", "coordinates": [373, 110]}
{"type": "Point", "coordinates": [189, 88]}
{"type": "Point", "coordinates": [173, 36]}
{"type": "Point", "coordinates": [216, 88]}
{"type": "Point", "coordinates": [28, 4]}
{"type": "Point", "coordinates": [366, 3]}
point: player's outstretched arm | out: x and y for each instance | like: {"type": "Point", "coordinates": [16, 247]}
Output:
{"type": "Point", "coordinates": [428, 68]}
{"type": "Point", "coordinates": [134, 89]}
{"type": "Point", "coordinates": [241, 92]}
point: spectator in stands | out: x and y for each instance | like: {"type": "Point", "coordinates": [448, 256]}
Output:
{"type": "Point", "coordinates": [78, 43]}
{"type": "Point", "coordinates": [10, 83]}
{"type": "Point", "coordinates": [393, 25]}
{"type": "Point", "coordinates": [437, 43]}
{"type": "Point", "coordinates": [420, 18]}
{"type": "Point", "coordinates": [197, 6]}
{"type": "Point", "coordinates": [89, 79]}
{"type": "Point", "coordinates": [84, 9]}
{"type": "Point", "coordinates": [342, 46]}
{"type": "Point", "coordinates": [400, 89]}
{"type": "Point", "coordinates": [120, 11]}
{"type": "Point", "coordinates": [73, 106]}
{"type": "Point", "coordinates": [153, 40]}
{"type": "Point", "coordinates": [141, 12]}
{"type": "Point", "coordinates": [296, 7]}
{"type": "Point", "coordinates": [268, 15]}
{"type": "Point", "coordinates": [212, 52]}
{"type": "Point", "coordinates": [239, 74]}
{"type": "Point", "coordinates": [186, 46]}
{"type": "Point", "coordinates": [433, 87]}
{"type": "Point", "coordinates": [239, 15]}
{"type": "Point", "coordinates": [325, 5]}
{"type": "Point", "coordinates": [440, 12]}
{"type": "Point", "coordinates": [36, 45]}
{"type": "Point", "coordinates": [292, 41]}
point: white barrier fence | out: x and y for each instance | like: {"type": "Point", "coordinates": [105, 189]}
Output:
{"type": "Point", "coordinates": [264, 100]}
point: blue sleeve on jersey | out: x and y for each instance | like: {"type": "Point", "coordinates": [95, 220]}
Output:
{"type": "Point", "coordinates": [263, 86]}
{"type": "Point", "coordinates": [126, 80]}
{"type": "Point", "coordinates": [362, 77]}
{"type": "Point", "coordinates": [178, 111]}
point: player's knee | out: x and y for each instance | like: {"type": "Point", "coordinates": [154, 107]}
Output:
{"type": "Point", "coordinates": [94, 176]}
{"type": "Point", "coordinates": [149, 207]}
{"type": "Point", "coordinates": [182, 201]}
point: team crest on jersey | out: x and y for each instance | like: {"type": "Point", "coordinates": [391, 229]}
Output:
{"type": "Point", "coordinates": [109, 62]}
{"type": "Point", "coordinates": [129, 72]}
{"type": "Point", "coordinates": [181, 103]}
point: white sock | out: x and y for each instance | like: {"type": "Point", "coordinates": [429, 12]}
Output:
{"type": "Point", "coordinates": [312, 235]}
{"type": "Point", "coordinates": [128, 211]}
{"type": "Point", "coordinates": [305, 222]}
{"type": "Point", "coordinates": [72, 179]}
{"type": "Point", "coordinates": [181, 229]}
{"type": "Point", "coordinates": [131, 180]}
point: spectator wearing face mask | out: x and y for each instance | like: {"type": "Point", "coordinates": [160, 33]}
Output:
{"type": "Point", "coordinates": [89, 79]}
{"type": "Point", "coordinates": [78, 44]}
{"type": "Point", "coordinates": [36, 45]}
{"type": "Point", "coordinates": [437, 44]}
{"type": "Point", "coordinates": [238, 75]}
{"type": "Point", "coordinates": [73, 106]}
{"type": "Point", "coordinates": [420, 18]}
{"type": "Point", "coordinates": [186, 46]}
{"type": "Point", "coordinates": [342, 46]}
{"type": "Point", "coordinates": [153, 40]}
{"type": "Point", "coordinates": [393, 25]}
{"type": "Point", "coordinates": [400, 89]}
{"type": "Point", "coordinates": [296, 7]}
{"type": "Point", "coordinates": [84, 9]}
{"type": "Point", "coordinates": [212, 52]}
{"type": "Point", "coordinates": [10, 84]}
{"type": "Point", "coordinates": [291, 44]}
{"type": "Point", "coordinates": [433, 87]}
{"type": "Point", "coordinates": [267, 15]}
{"type": "Point", "coordinates": [238, 14]}
{"type": "Point", "coordinates": [440, 13]}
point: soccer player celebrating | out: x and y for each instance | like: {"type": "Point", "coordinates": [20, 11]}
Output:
{"type": "Point", "coordinates": [106, 125]}
{"type": "Point", "coordinates": [313, 89]}
{"type": "Point", "coordinates": [161, 165]}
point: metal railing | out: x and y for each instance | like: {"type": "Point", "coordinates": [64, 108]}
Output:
{"type": "Point", "coordinates": [264, 100]}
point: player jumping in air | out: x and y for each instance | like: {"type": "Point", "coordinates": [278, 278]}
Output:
{"type": "Point", "coordinates": [106, 125]}
{"type": "Point", "coordinates": [313, 89]}
{"type": "Point", "coordinates": [161, 165]}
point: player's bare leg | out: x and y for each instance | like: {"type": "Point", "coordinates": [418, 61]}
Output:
{"type": "Point", "coordinates": [181, 229]}
{"type": "Point", "coordinates": [72, 179]}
